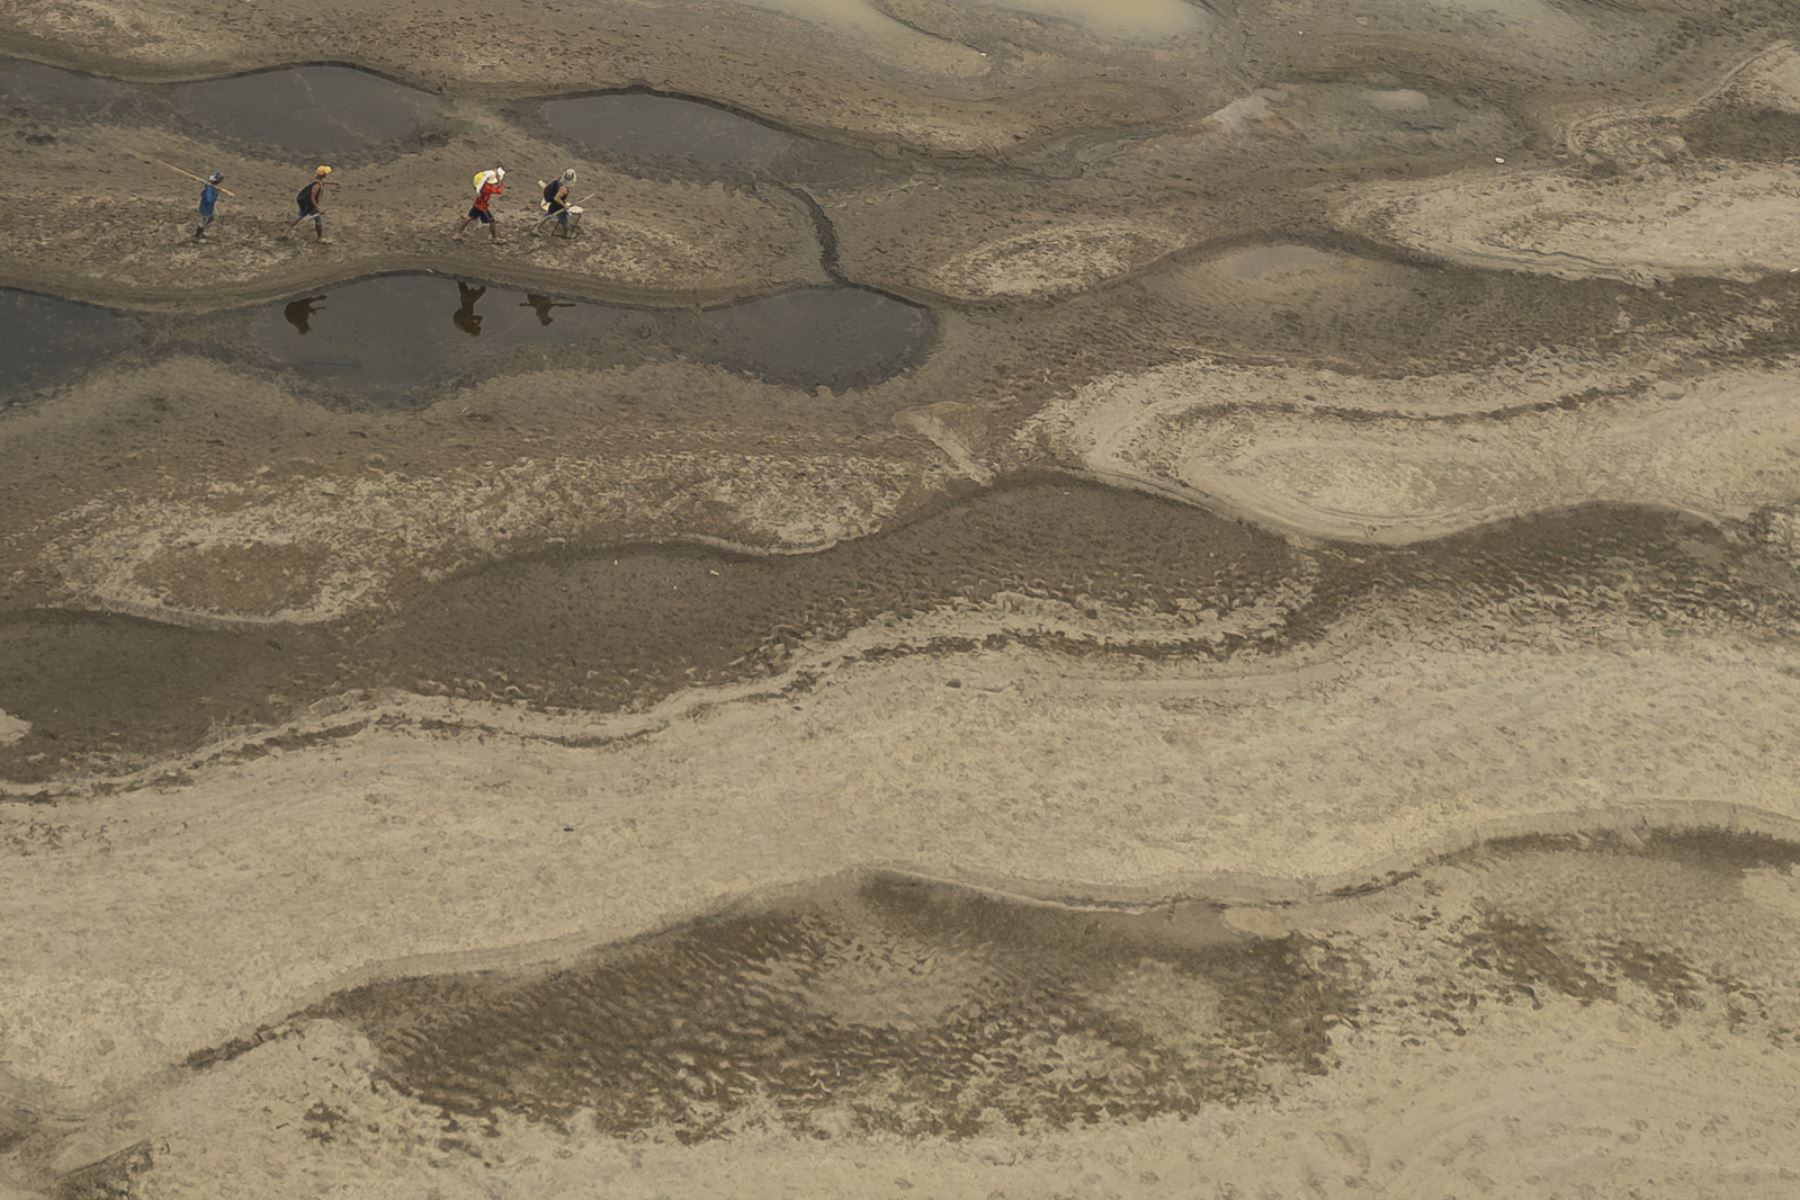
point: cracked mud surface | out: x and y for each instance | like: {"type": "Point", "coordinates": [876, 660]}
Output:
{"type": "Point", "coordinates": [1109, 600]}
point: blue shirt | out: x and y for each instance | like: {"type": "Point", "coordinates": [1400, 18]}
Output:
{"type": "Point", "coordinates": [209, 196]}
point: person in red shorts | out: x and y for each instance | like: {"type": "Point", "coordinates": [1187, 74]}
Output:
{"type": "Point", "coordinates": [492, 184]}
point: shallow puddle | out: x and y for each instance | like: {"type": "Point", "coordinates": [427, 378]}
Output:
{"type": "Point", "coordinates": [314, 112]}
{"type": "Point", "coordinates": [387, 339]}
{"type": "Point", "coordinates": [675, 134]}
{"type": "Point", "coordinates": [393, 340]}
{"type": "Point", "coordinates": [49, 340]}
{"type": "Point", "coordinates": [668, 130]}
{"type": "Point", "coordinates": [33, 85]}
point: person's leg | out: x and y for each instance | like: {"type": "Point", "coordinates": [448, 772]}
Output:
{"type": "Point", "coordinates": [200, 227]}
{"type": "Point", "coordinates": [494, 228]}
{"type": "Point", "coordinates": [319, 227]}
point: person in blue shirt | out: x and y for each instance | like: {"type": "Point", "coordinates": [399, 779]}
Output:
{"type": "Point", "coordinates": [209, 200]}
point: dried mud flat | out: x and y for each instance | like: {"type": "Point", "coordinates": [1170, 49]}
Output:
{"type": "Point", "coordinates": [1055, 599]}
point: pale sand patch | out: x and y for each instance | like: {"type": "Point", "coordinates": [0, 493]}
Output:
{"type": "Point", "coordinates": [1769, 80]}
{"type": "Point", "coordinates": [1715, 219]}
{"type": "Point", "coordinates": [1060, 258]}
{"type": "Point", "coordinates": [881, 35]}
{"type": "Point", "coordinates": [12, 729]}
{"type": "Point", "coordinates": [1122, 20]}
{"type": "Point", "coordinates": [1721, 445]}
{"type": "Point", "coordinates": [356, 536]}
{"type": "Point", "coordinates": [199, 910]}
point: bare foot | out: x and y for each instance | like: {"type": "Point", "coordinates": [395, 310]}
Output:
{"type": "Point", "coordinates": [456, 237]}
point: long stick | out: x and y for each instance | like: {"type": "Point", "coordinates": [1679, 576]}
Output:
{"type": "Point", "coordinates": [159, 162]}
{"type": "Point", "coordinates": [544, 205]}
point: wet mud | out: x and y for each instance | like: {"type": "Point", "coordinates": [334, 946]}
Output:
{"type": "Point", "coordinates": [1093, 570]}
{"type": "Point", "coordinates": [881, 1007]}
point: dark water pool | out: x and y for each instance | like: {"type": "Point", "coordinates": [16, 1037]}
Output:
{"type": "Point", "coordinates": [391, 337]}
{"type": "Point", "coordinates": [396, 340]}
{"type": "Point", "coordinates": [312, 112]}
{"type": "Point", "coordinates": [49, 340]}
{"type": "Point", "coordinates": [681, 135]}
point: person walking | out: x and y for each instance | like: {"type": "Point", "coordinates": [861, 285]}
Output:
{"type": "Point", "coordinates": [312, 204]}
{"type": "Point", "coordinates": [556, 203]}
{"type": "Point", "coordinates": [493, 183]}
{"type": "Point", "coordinates": [209, 199]}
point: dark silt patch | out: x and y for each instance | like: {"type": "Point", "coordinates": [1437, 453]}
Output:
{"type": "Point", "coordinates": [108, 1179]}
{"type": "Point", "coordinates": [648, 131]}
{"type": "Point", "coordinates": [50, 340]}
{"type": "Point", "coordinates": [1745, 134]}
{"type": "Point", "coordinates": [876, 1006]}
{"type": "Point", "coordinates": [616, 628]}
{"type": "Point", "coordinates": [315, 113]}
{"type": "Point", "coordinates": [1531, 956]}
{"type": "Point", "coordinates": [610, 628]}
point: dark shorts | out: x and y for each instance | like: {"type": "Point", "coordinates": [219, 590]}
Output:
{"type": "Point", "coordinates": [318, 218]}
{"type": "Point", "coordinates": [482, 215]}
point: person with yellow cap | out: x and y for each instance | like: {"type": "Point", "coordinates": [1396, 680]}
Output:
{"type": "Point", "coordinates": [312, 204]}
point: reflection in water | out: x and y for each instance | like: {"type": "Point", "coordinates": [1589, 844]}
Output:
{"type": "Point", "coordinates": [542, 306]}
{"type": "Point", "coordinates": [387, 341]}
{"type": "Point", "coordinates": [465, 318]}
{"type": "Point", "coordinates": [386, 344]}
{"type": "Point", "coordinates": [299, 313]}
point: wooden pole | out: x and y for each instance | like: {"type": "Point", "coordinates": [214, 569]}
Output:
{"type": "Point", "coordinates": [160, 163]}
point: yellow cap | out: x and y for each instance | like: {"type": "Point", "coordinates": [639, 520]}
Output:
{"type": "Point", "coordinates": [323, 170]}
